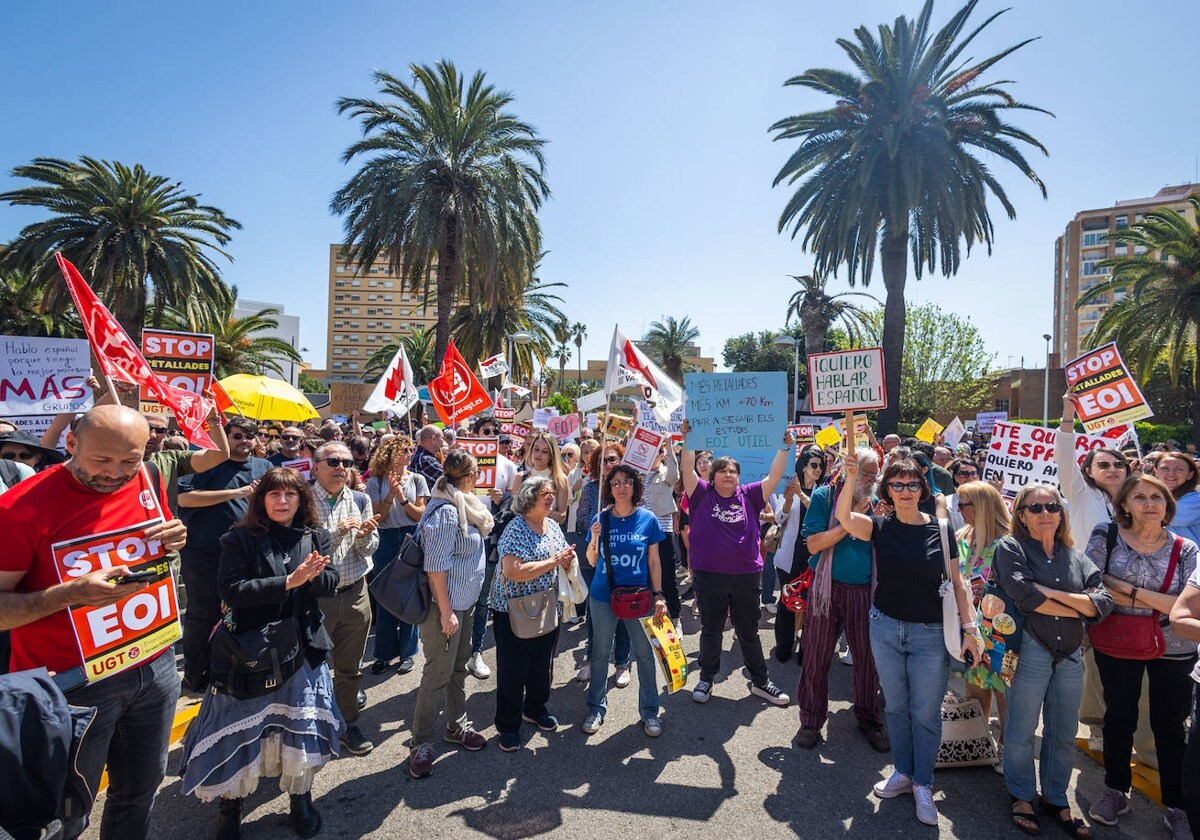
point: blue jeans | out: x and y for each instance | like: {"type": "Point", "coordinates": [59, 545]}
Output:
{"type": "Point", "coordinates": [768, 579]}
{"type": "Point", "coordinates": [621, 648]}
{"type": "Point", "coordinates": [479, 622]}
{"type": "Point", "coordinates": [604, 629]}
{"type": "Point", "coordinates": [394, 639]}
{"type": "Point", "coordinates": [131, 733]}
{"type": "Point", "coordinates": [913, 667]}
{"type": "Point", "coordinates": [1052, 692]}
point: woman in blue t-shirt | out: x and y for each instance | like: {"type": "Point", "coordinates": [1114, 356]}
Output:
{"type": "Point", "coordinates": [627, 537]}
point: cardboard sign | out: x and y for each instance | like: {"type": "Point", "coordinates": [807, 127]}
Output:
{"type": "Point", "coordinates": [1106, 393]}
{"type": "Point", "coordinates": [182, 359]}
{"type": "Point", "coordinates": [120, 636]}
{"type": "Point", "coordinates": [592, 401]}
{"type": "Point", "coordinates": [641, 448]}
{"type": "Point", "coordinates": [485, 450]}
{"type": "Point", "coordinates": [668, 650]}
{"type": "Point", "coordinates": [929, 430]}
{"type": "Point", "coordinates": [1021, 455]}
{"type": "Point", "coordinates": [954, 432]}
{"type": "Point", "coordinates": [43, 375]}
{"type": "Point", "coordinates": [564, 427]}
{"type": "Point", "coordinates": [303, 466]}
{"type": "Point", "coordinates": [985, 420]}
{"type": "Point", "coordinates": [862, 428]}
{"type": "Point", "coordinates": [346, 398]}
{"type": "Point", "coordinates": [846, 380]}
{"type": "Point", "coordinates": [829, 436]}
{"type": "Point", "coordinates": [646, 419]}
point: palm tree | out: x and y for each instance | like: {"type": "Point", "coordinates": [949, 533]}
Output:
{"type": "Point", "coordinates": [578, 334]}
{"type": "Point", "coordinates": [670, 342]}
{"type": "Point", "coordinates": [1157, 315]}
{"type": "Point", "coordinates": [21, 310]}
{"type": "Point", "coordinates": [817, 310]}
{"type": "Point", "coordinates": [481, 330]}
{"type": "Point", "coordinates": [562, 352]}
{"type": "Point", "coordinates": [452, 179]}
{"type": "Point", "coordinates": [418, 348]}
{"type": "Point", "coordinates": [131, 234]}
{"type": "Point", "coordinates": [892, 165]}
{"type": "Point", "coordinates": [236, 346]}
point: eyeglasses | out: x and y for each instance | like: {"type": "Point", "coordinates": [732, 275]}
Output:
{"type": "Point", "coordinates": [612, 459]}
{"type": "Point", "coordinates": [1038, 507]}
{"type": "Point", "coordinates": [241, 437]}
{"type": "Point", "coordinates": [338, 462]}
{"type": "Point", "coordinates": [815, 465]}
{"type": "Point", "coordinates": [1109, 465]}
{"type": "Point", "coordinates": [966, 474]}
{"type": "Point", "coordinates": [962, 503]}
{"type": "Point", "coordinates": [25, 455]}
{"type": "Point", "coordinates": [487, 431]}
{"type": "Point", "coordinates": [620, 482]}
{"type": "Point", "coordinates": [910, 486]}
{"type": "Point", "coordinates": [159, 430]}
{"type": "Point", "coordinates": [290, 437]}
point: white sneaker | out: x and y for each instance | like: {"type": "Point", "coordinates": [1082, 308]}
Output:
{"type": "Point", "coordinates": [845, 656]}
{"type": "Point", "coordinates": [772, 609]}
{"type": "Point", "coordinates": [622, 678]}
{"type": "Point", "coordinates": [584, 674]}
{"type": "Point", "coordinates": [926, 810]}
{"type": "Point", "coordinates": [477, 668]}
{"type": "Point", "coordinates": [999, 765]}
{"type": "Point", "coordinates": [893, 786]}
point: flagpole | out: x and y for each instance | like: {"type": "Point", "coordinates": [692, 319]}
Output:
{"type": "Point", "coordinates": [603, 446]}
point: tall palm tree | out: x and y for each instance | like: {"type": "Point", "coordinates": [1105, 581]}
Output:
{"type": "Point", "coordinates": [237, 347]}
{"type": "Point", "coordinates": [482, 330]}
{"type": "Point", "coordinates": [451, 179]}
{"type": "Point", "coordinates": [1158, 313]}
{"type": "Point", "coordinates": [578, 334]}
{"type": "Point", "coordinates": [817, 310]}
{"type": "Point", "coordinates": [893, 164]}
{"type": "Point", "coordinates": [418, 348]}
{"type": "Point", "coordinates": [670, 342]}
{"type": "Point", "coordinates": [129, 232]}
{"type": "Point", "coordinates": [21, 310]}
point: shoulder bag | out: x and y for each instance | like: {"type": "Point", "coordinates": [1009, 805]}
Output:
{"type": "Point", "coordinates": [951, 621]}
{"type": "Point", "coordinates": [626, 601]}
{"type": "Point", "coordinates": [1137, 637]}
{"type": "Point", "coordinates": [533, 615]}
{"type": "Point", "coordinates": [402, 587]}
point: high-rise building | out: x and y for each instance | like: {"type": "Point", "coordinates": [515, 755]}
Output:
{"type": "Point", "coordinates": [1078, 252]}
{"type": "Point", "coordinates": [287, 331]}
{"type": "Point", "coordinates": [368, 308]}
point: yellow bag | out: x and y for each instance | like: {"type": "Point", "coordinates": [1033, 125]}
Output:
{"type": "Point", "coordinates": [669, 652]}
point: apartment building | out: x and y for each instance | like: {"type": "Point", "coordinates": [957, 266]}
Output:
{"type": "Point", "coordinates": [1077, 256]}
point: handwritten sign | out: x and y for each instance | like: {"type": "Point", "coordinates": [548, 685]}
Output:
{"type": "Point", "coordinates": [862, 429]}
{"type": "Point", "coordinates": [592, 401]}
{"type": "Point", "coordinates": [346, 398]}
{"type": "Point", "coordinates": [564, 427]}
{"type": "Point", "coordinates": [541, 416]}
{"type": "Point", "coordinates": [43, 375]}
{"type": "Point", "coordinates": [728, 411]}
{"type": "Point", "coordinates": [846, 380]}
{"type": "Point", "coordinates": [985, 420]}
{"type": "Point", "coordinates": [647, 420]}
{"type": "Point", "coordinates": [641, 448]}
{"type": "Point", "coordinates": [1107, 394]}
{"type": "Point", "coordinates": [182, 359]}
{"type": "Point", "coordinates": [929, 430]}
{"type": "Point", "coordinates": [1021, 455]}
{"type": "Point", "coordinates": [485, 450]}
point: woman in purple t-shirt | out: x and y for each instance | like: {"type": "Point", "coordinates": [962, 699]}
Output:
{"type": "Point", "coordinates": [726, 564]}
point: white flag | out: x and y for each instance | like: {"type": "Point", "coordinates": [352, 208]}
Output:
{"type": "Point", "coordinates": [396, 391]}
{"type": "Point", "coordinates": [495, 366]}
{"type": "Point", "coordinates": [629, 367]}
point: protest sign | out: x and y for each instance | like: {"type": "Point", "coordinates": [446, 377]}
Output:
{"type": "Point", "coordinates": [564, 427]}
{"type": "Point", "coordinates": [929, 430]}
{"type": "Point", "coordinates": [495, 366]}
{"type": "Point", "coordinates": [485, 450]}
{"type": "Point", "coordinates": [1021, 455]}
{"type": "Point", "coordinates": [541, 416]}
{"type": "Point", "coordinates": [641, 448]}
{"type": "Point", "coordinates": [182, 359]}
{"type": "Point", "coordinates": [504, 416]}
{"type": "Point", "coordinates": [520, 430]}
{"type": "Point", "coordinates": [816, 420]}
{"type": "Point", "coordinates": [829, 436]}
{"type": "Point", "coordinates": [1106, 395]}
{"type": "Point", "coordinates": [301, 465]}
{"type": "Point", "coordinates": [954, 432]}
{"type": "Point", "coordinates": [592, 401]}
{"type": "Point", "coordinates": [43, 375]}
{"type": "Point", "coordinates": [862, 430]}
{"type": "Point", "coordinates": [804, 433]}
{"type": "Point", "coordinates": [986, 419]}
{"type": "Point", "coordinates": [36, 425]}
{"type": "Point", "coordinates": [736, 411]}
{"type": "Point", "coordinates": [593, 420]}
{"type": "Point", "coordinates": [847, 380]}
{"type": "Point", "coordinates": [668, 651]}
{"type": "Point", "coordinates": [647, 420]}
{"type": "Point", "coordinates": [120, 636]}
{"type": "Point", "coordinates": [348, 398]}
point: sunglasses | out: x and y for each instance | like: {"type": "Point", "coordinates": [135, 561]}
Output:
{"type": "Point", "coordinates": [1039, 507]}
{"type": "Point", "coordinates": [910, 486]}
{"type": "Point", "coordinates": [338, 462]}
{"type": "Point", "coordinates": [19, 456]}
{"type": "Point", "coordinates": [620, 482]}
{"type": "Point", "coordinates": [962, 503]}
{"type": "Point", "coordinates": [1110, 465]}
{"type": "Point", "coordinates": [290, 437]}
{"type": "Point", "coordinates": [159, 430]}
{"type": "Point", "coordinates": [241, 437]}
{"type": "Point", "coordinates": [487, 431]}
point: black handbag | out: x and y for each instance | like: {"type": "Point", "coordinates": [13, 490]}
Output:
{"type": "Point", "coordinates": [402, 587]}
{"type": "Point", "coordinates": [255, 662]}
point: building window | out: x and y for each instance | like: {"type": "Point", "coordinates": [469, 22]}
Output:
{"type": "Point", "coordinates": [1122, 222]}
{"type": "Point", "coordinates": [1090, 239]}
{"type": "Point", "coordinates": [1001, 405]}
{"type": "Point", "coordinates": [339, 297]}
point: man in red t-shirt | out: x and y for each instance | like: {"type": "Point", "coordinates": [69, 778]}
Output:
{"type": "Point", "coordinates": [72, 532]}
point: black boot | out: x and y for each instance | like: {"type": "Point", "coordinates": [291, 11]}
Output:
{"type": "Point", "coordinates": [306, 820]}
{"type": "Point", "coordinates": [229, 820]}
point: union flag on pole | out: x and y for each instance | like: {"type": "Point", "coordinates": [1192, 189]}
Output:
{"type": "Point", "coordinates": [225, 402]}
{"type": "Point", "coordinates": [456, 393]}
{"type": "Point", "coordinates": [120, 358]}
{"type": "Point", "coordinates": [629, 367]}
{"type": "Point", "coordinates": [396, 391]}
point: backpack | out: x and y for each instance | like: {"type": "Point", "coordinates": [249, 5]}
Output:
{"type": "Point", "coordinates": [402, 586]}
{"type": "Point", "coordinates": [500, 519]}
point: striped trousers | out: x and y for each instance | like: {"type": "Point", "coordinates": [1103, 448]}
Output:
{"type": "Point", "coordinates": [848, 607]}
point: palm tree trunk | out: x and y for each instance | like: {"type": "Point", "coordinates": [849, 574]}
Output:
{"type": "Point", "coordinates": [447, 284]}
{"type": "Point", "coordinates": [578, 371]}
{"type": "Point", "coordinates": [894, 262]}
{"type": "Point", "coordinates": [1196, 415]}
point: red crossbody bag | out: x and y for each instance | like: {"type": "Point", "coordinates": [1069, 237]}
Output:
{"type": "Point", "coordinates": [1133, 636]}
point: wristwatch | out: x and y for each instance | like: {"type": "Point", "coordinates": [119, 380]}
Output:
{"type": "Point", "coordinates": [657, 593]}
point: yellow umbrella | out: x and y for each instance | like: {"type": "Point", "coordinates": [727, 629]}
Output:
{"type": "Point", "coordinates": [263, 398]}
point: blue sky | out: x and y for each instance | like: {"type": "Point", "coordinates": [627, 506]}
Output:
{"type": "Point", "coordinates": [656, 115]}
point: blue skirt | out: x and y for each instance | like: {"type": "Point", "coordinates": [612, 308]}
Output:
{"type": "Point", "coordinates": [291, 733]}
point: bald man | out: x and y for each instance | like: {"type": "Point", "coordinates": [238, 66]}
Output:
{"type": "Point", "coordinates": [61, 593]}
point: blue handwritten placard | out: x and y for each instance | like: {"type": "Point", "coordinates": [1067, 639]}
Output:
{"type": "Point", "coordinates": [738, 414]}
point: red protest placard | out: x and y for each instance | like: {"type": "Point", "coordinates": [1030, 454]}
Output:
{"type": "Point", "coordinates": [184, 360]}
{"type": "Point", "coordinates": [485, 450]}
{"type": "Point", "coordinates": [1107, 395]}
{"type": "Point", "coordinates": [120, 636]}
{"type": "Point", "coordinates": [642, 447]}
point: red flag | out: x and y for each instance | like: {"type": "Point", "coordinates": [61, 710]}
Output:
{"type": "Point", "coordinates": [456, 393]}
{"type": "Point", "coordinates": [225, 402]}
{"type": "Point", "coordinates": [121, 359]}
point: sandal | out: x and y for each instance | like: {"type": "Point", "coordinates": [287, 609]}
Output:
{"type": "Point", "coordinates": [1027, 822]}
{"type": "Point", "coordinates": [1071, 824]}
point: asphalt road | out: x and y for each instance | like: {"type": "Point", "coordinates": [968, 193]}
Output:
{"type": "Point", "coordinates": [726, 769]}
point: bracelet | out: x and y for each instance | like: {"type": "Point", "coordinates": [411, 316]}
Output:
{"type": "Point", "coordinates": [657, 593]}
{"type": "Point", "coordinates": [784, 448]}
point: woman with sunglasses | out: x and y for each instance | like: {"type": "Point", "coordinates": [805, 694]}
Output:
{"type": "Point", "coordinates": [1145, 568]}
{"type": "Point", "coordinates": [542, 459]}
{"type": "Point", "coordinates": [907, 641]}
{"type": "Point", "coordinates": [791, 557]}
{"type": "Point", "coordinates": [1058, 590]}
{"type": "Point", "coordinates": [1178, 471]}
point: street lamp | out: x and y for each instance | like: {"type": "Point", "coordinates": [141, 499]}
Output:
{"type": "Point", "coordinates": [520, 337]}
{"type": "Point", "coordinates": [1046, 389]}
{"type": "Point", "coordinates": [794, 343]}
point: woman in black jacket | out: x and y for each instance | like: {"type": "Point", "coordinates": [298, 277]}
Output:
{"type": "Point", "coordinates": [274, 565]}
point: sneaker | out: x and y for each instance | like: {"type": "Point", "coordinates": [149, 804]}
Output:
{"type": "Point", "coordinates": [771, 609]}
{"type": "Point", "coordinates": [702, 691]}
{"type": "Point", "coordinates": [893, 786]}
{"type": "Point", "coordinates": [545, 721]}
{"type": "Point", "coordinates": [466, 737]}
{"type": "Point", "coordinates": [622, 679]}
{"type": "Point", "coordinates": [926, 810]}
{"type": "Point", "coordinates": [354, 742]}
{"type": "Point", "coordinates": [999, 765]}
{"type": "Point", "coordinates": [1109, 807]}
{"type": "Point", "coordinates": [477, 668]}
{"type": "Point", "coordinates": [653, 728]}
{"type": "Point", "coordinates": [845, 657]}
{"type": "Point", "coordinates": [420, 761]}
{"type": "Point", "coordinates": [510, 741]}
{"type": "Point", "coordinates": [1096, 739]}
{"type": "Point", "coordinates": [592, 723]}
{"type": "Point", "coordinates": [771, 693]}
{"type": "Point", "coordinates": [379, 666]}
{"type": "Point", "coordinates": [806, 738]}
{"type": "Point", "coordinates": [876, 737]}
{"type": "Point", "coordinates": [575, 619]}
{"type": "Point", "coordinates": [584, 674]}
{"type": "Point", "coordinates": [406, 665]}
{"type": "Point", "coordinates": [1177, 821]}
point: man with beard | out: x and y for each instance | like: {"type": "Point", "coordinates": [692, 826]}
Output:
{"type": "Point", "coordinates": [289, 445]}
